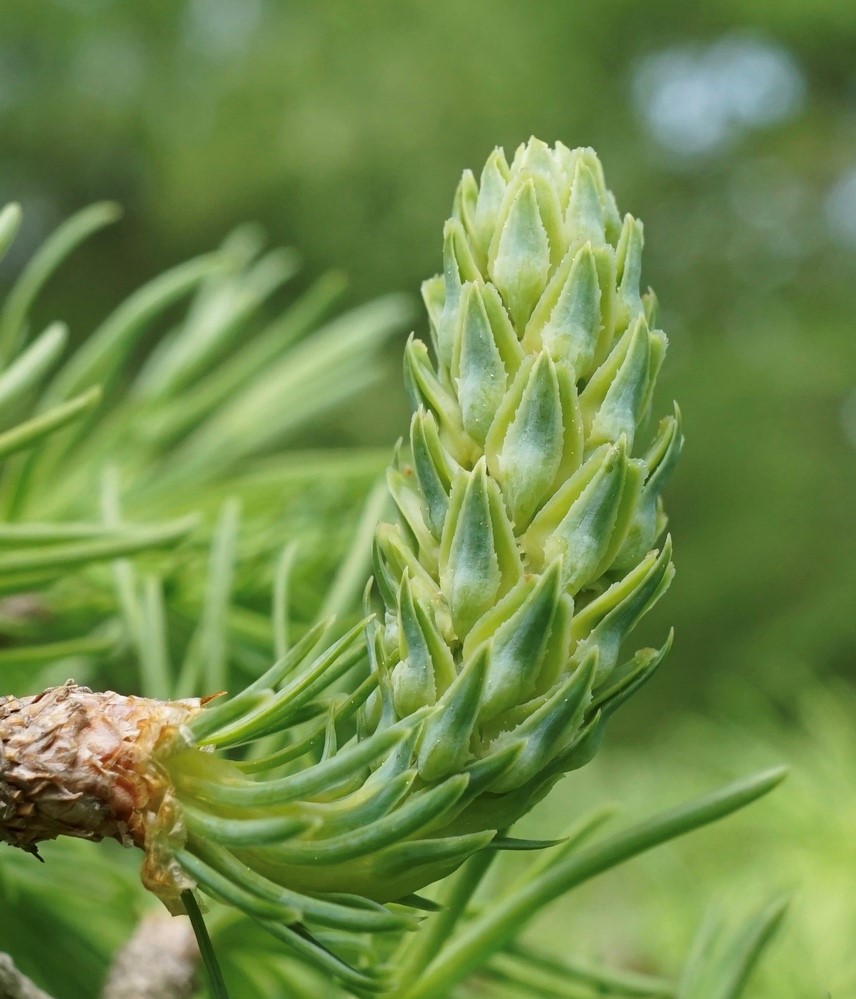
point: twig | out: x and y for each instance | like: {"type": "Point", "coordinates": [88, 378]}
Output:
{"type": "Point", "coordinates": [159, 961]}
{"type": "Point", "coordinates": [14, 985]}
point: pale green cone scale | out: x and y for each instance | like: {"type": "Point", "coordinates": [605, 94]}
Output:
{"type": "Point", "coordinates": [531, 495]}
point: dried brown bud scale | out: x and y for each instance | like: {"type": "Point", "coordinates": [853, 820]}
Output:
{"type": "Point", "coordinates": [84, 764]}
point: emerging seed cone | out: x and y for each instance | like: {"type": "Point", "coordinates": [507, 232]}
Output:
{"type": "Point", "coordinates": [521, 560]}
{"type": "Point", "coordinates": [523, 553]}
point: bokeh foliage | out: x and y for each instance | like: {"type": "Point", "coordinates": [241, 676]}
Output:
{"type": "Point", "coordinates": [343, 127]}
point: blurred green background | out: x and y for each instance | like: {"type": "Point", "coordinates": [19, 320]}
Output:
{"type": "Point", "coordinates": [343, 127]}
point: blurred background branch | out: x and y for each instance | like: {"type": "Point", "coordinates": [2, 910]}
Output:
{"type": "Point", "coordinates": [159, 961]}
{"type": "Point", "coordinates": [14, 985]}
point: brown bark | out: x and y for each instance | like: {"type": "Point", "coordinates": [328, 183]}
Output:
{"type": "Point", "coordinates": [84, 764]}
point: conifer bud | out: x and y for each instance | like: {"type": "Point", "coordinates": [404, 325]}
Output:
{"type": "Point", "coordinates": [529, 503]}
